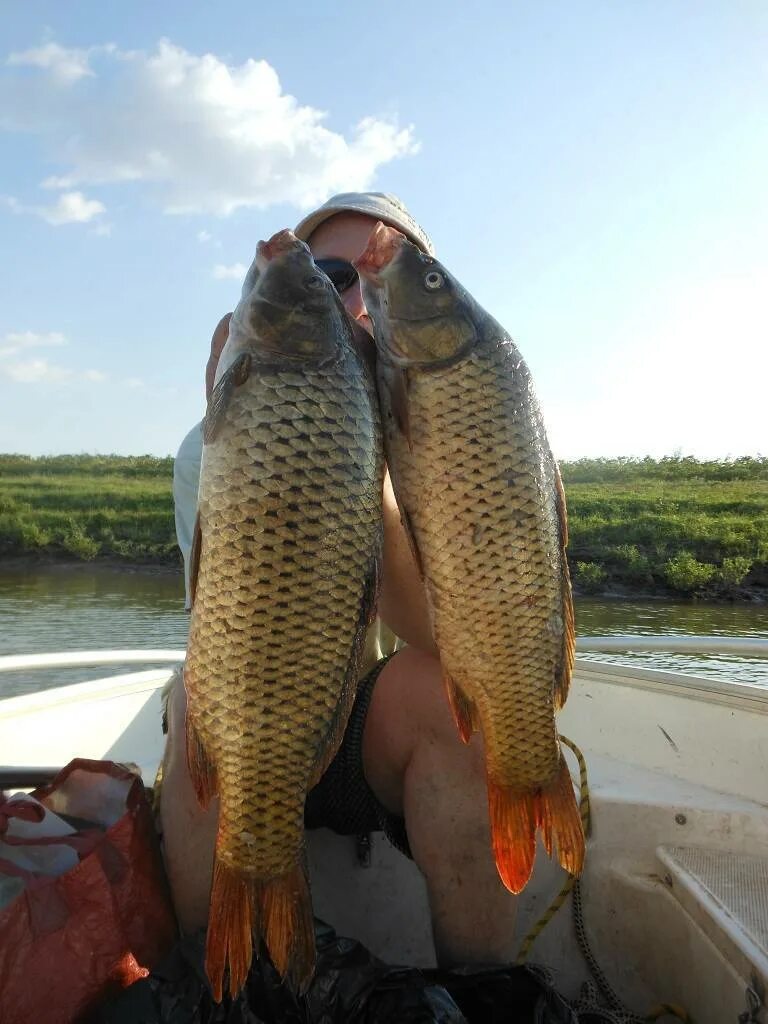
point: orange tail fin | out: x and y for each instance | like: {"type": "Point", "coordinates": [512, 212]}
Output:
{"type": "Point", "coordinates": [229, 942]}
{"type": "Point", "coordinates": [515, 817]}
{"type": "Point", "coordinates": [289, 928]}
{"type": "Point", "coordinates": [243, 910]}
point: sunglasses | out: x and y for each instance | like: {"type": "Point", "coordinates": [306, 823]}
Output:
{"type": "Point", "coordinates": [341, 273]}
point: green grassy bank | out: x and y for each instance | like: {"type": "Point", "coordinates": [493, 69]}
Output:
{"type": "Point", "coordinates": [673, 525]}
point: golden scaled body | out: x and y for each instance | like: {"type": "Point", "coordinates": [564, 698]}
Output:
{"type": "Point", "coordinates": [290, 538]}
{"type": "Point", "coordinates": [480, 491]}
{"type": "Point", "coordinates": [481, 496]}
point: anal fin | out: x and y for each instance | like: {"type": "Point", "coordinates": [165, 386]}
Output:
{"type": "Point", "coordinates": [515, 818]}
{"type": "Point", "coordinates": [462, 707]}
{"type": "Point", "coordinates": [201, 769]}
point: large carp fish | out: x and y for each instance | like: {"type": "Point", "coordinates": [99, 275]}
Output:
{"type": "Point", "coordinates": [481, 498]}
{"type": "Point", "coordinates": [285, 577]}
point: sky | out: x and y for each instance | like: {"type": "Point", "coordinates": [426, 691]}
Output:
{"type": "Point", "coordinates": [593, 172]}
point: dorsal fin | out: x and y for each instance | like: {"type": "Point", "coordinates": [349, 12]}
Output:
{"type": "Point", "coordinates": [565, 669]}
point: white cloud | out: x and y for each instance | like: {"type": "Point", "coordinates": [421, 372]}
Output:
{"type": "Point", "coordinates": [69, 208]}
{"type": "Point", "coordinates": [64, 64]}
{"type": "Point", "coordinates": [15, 363]}
{"type": "Point", "coordinates": [204, 236]}
{"type": "Point", "coordinates": [134, 382]}
{"type": "Point", "coordinates": [73, 207]}
{"type": "Point", "coordinates": [236, 271]}
{"type": "Point", "coordinates": [33, 371]}
{"type": "Point", "coordinates": [206, 136]}
{"type": "Point", "coordinates": [16, 341]}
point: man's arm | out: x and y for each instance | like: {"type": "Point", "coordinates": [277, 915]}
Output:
{"type": "Point", "coordinates": [402, 601]}
{"type": "Point", "coordinates": [186, 480]}
{"type": "Point", "coordinates": [186, 465]}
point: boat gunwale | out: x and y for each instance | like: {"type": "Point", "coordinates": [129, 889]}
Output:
{"type": "Point", "coordinates": [733, 694]}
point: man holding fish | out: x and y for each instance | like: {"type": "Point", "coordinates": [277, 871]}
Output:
{"type": "Point", "coordinates": [402, 765]}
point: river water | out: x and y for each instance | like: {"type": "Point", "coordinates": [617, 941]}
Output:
{"type": "Point", "coordinates": [87, 607]}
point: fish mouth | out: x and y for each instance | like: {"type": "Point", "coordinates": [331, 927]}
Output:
{"type": "Point", "coordinates": [281, 244]}
{"type": "Point", "coordinates": [384, 244]}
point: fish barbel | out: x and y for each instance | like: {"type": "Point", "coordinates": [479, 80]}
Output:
{"type": "Point", "coordinates": [285, 578]}
{"type": "Point", "coordinates": [481, 498]}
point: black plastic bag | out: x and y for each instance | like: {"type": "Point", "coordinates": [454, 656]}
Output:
{"type": "Point", "coordinates": [350, 986]}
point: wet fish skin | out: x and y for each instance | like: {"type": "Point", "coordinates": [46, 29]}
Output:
{"type": "Point", "coordinates": [286, 575]}
{"type": "Point", "coordinates": [481, 496]}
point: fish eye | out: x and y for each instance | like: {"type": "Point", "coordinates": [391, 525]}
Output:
{"type": "Point", "coordinates": [433, 280]}
{"type": "Point", "coordinates": [315, 281]}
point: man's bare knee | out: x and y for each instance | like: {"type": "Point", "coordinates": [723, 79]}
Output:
{"type": "Point", "coordinates": [418, 766]}
{"type": "Point", "coordinates": [189, 832]}
{"type": "Point", "coordinates": [405, 705]}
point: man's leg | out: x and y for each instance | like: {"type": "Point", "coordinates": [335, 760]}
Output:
{"type": "Point", "coordinates": [418, 767]}
{"type": "Point", "coordinates": [189, 833]}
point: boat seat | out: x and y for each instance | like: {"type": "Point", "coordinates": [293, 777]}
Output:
{"type": "Point", "coordinates": [726, 894]}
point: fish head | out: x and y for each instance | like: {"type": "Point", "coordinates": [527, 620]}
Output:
{"type": "Point", "coordinates": [288, 308]}
{"type": "Point", "coordinates": [420, 312]}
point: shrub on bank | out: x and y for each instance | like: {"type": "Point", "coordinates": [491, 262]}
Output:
{"type": "Point", "coordinates": [734, 571]}
{"type": "Point", "coordinates": [696, 528]}
{"type": "Point", "coordinates": [590, 577]}
{"type": "Point", "coordinates": [685, 574]}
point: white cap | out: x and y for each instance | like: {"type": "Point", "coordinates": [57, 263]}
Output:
{"type": "Point", "coordinates": [379, 205]}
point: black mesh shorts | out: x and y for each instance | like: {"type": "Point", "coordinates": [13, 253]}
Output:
{"type": "Point", "coordinates": [342, 800]}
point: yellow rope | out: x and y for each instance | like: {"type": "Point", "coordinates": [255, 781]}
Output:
{"type": "Point", "coordinates": [562, 896]}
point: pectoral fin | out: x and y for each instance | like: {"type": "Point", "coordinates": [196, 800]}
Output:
{"type": "Point", "coordinates": [194, 558]}
{"type": "Point", "coordinates": [394, 380]}
{"type": "Point", "coordinates": [405, 519]}
{"type": "Point", "coordinates": [233, 377]}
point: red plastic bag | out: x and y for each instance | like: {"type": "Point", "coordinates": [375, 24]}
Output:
{"type": "Point", "coordinates": [68, 941]}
